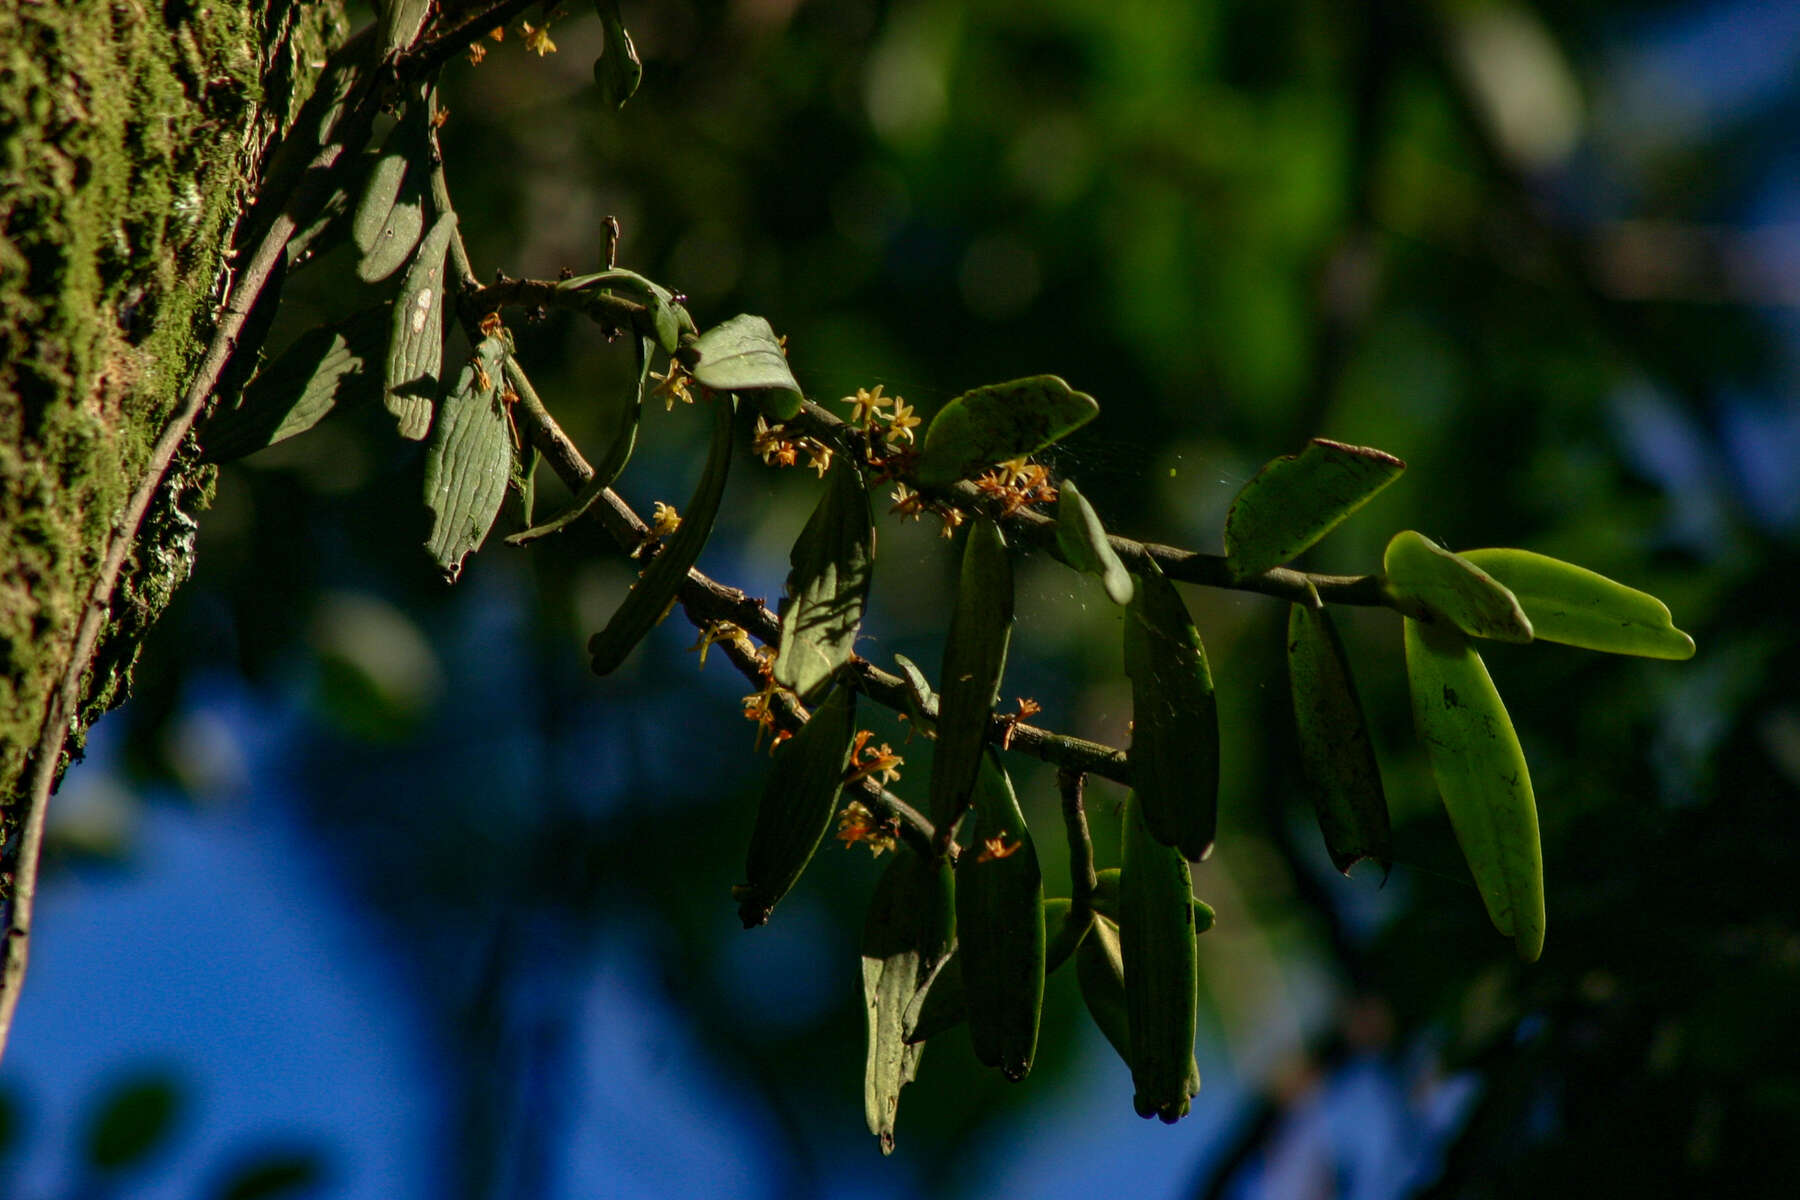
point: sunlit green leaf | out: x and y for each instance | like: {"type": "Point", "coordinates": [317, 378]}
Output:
{"type": "Point", "coordinates": [1481, 774]}
{"type": "Point", "coordinates": [799, 800]}
{"type": "Point", "coordinates": [469, 461]}
{"type": "Point", "coordinates": [974, 661]}
{"type": "Point", "coordinates": [617, 70]}
{"type": "Point", "coordinates": [416, 347]}
{"type": "Point", "coordinates": [1578, 607]}
{"type": "Point", "coordinates": [1000, 927]}
{"type": "Point", "coordinates": [1335, 754]}
{"type": "Point", "coordinates": [1082, 539]}
{"type": "Point", "coordinates": [650, 596]}
{"type": "Point", "coordinates": [1175, 719]}
{"type": "Point", "coordinates": [1299, 498]}
{"type": "Point", "coordinates": [999, 422]}
{"type": "Point", "coordinates": [1429, 583]}
{"type": "Point", "coordinates": [744, 355]}
{"type": "Point", "coordinates": [921, 701]}
{"type": "Point", "coordinates": [827, 585]}
{"type": "Point", "coordinates": [908, 933]}
{"type": "Point", "coordinates": [390, 214]}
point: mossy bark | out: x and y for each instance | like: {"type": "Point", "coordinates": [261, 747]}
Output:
{"type": "Point", "coordinates": [133, 134]}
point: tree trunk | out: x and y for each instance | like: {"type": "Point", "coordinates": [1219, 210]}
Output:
{"type": "Point", "coordinates": [134, 134]}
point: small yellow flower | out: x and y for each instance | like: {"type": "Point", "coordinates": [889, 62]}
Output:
{"type": "Point", "coordinates": [714, 633]}
{"type": "Point", "coordinates": [865, 406]}
{"type": "Point", "coordinates": [818, 456]}
{"type": "Point", "coordinates": [907, 502]}
{"type": "Point", "coordinates": [664, 520]}
{"type": "Point", "coordinates": [477, 52]}
{"type": "Point", "coordinates": [857, 824]}
{"type": "Point", "coordinates": [952, 517]}
{"type": "Point", "coordinates": [537, 40]}
{"type": "Point", "coordinates": [902, 423]}
{"type": "Point", "coordinates": [997, 847]}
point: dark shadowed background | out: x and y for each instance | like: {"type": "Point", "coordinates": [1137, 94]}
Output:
{"type": "Point", "coordinates": [374, 891]}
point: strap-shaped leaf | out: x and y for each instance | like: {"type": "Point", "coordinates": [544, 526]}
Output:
{"type": "Point", "coordinates": [744, 355]}
{"type": "Point", "coordinates": [799, 799]}
{"type": "Point", "coordinates": [617, 70]}
{"type": "Point", "coordinates": [416, 348]}
{"type": "Point", "coordinates": [401, 21]}
{"type": "Point", "coordinates": [1162, 995]}
{"type": "Point", "coordinates": [469, 461]}
{"type": "Point", "coordinates": [909, 931]}
{"type": "Point", "coordinates": [649, 597]}
{"type": "Point", "coordinates": [1000, 927]}
{"type": "Point", "coordinates": [390, 214]}
{"type": "Point", "coordinates": [326, 368]}
{"type": "Point", "coordinates": [1082, 540]}
{"type": "Point", "coordinates": [827, 585]}
{"type": "Point", "coordinates": [1175, 719]}
{"type": "Point", "coordinates": [999, 422]}
{"type": "Point", "coordinates": [974, 660]}
{"type": "Point", "coordinates": [1481, 774]}
{"type": "Point", "coordinates": [1429, 583]}
{"type": "Point", "coordinates": [1335, 755]}
{"type": "Point", "coordinates": [1579, 607]}
{"type": "Point", "coordinates": [1100, 972]}
{"type": "Point", "coordinates": [1299, 498]}
{"type": "Point", "coordinates": [946, 1004]}
{"type": "Point", "coordinates": [620, 443]}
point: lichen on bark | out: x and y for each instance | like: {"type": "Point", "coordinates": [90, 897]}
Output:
{"type": "Point", "coordinates": [133, 134]}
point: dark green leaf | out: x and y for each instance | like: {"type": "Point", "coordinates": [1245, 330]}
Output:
{"type": "Point", "coordinates": [827, 585]}
{"type": "Point", "coordinates": [1335, 754]}
{"type": "Point", "coordinates": [1429, 583]}
{"type": "Point", "coordinates": [469, 461]}
{"type": "Point", "coordinates": [416, 350]}
{"type": "Point", "coordinates": [999, 422]}
{"type": "Point", "coordinates": [1000, 927]}
{"type": "Point", "coordinates": [1063, 930]}
{"type": "Point", "coordinates": [1578, 607]}
{"type": "Point", "coordinates": [744, 355]}
{"type": "Point", "coordinates": [974, 660]}
{"type": "Point", "coordinates": [1299, 498]}
{"type": "Point", "coordinates": [1082, 540]}
{"type": "Point", "coordinates": [907, 935]}
{"type": "Point", "coordinates": [1481, 774]}
{"type": "Point", "coordinates": [324, 369]}
{"type": "Point", "coordinates": [621, 441]}
{"type": "Point", "coordinates": [650, 596]}
{"type": "Point", "coordinates": [1175, 719]}
{"type": "Point", "coordinates": [133, 1121]}
{"type": "Point", "coordinates": [799, 800]}
{"type": "Point", "coordinates": [1100, 970]}
{"type": "Point", "coordinates": [945, 1005]}
{"type": "Point", "coordinates": [663, 320]}
{"type": "Point", "coordinates": [1162, 998]}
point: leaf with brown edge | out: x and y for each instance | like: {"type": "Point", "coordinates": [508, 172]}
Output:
{"type": "Point", "coordinates": [998, 422]}
{"type": "Point", "coordinates": [1297, 499]}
